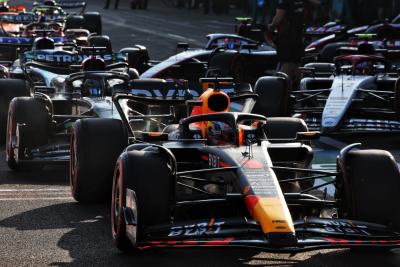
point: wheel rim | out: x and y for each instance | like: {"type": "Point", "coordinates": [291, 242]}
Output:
{"type": "Point", "coordinates": [73, 165]}
{"type": "Point", "coordinates": [9, 135]}
{"type": "Point", "coordinates": [116, 203]}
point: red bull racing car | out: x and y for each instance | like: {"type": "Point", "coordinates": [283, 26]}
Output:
{"type": "Point", "coordinates": [228, 179]}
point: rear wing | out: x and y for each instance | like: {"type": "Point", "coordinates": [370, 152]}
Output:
{"type": "Point", "coordinates": [21, 18]}
{"type": "Point", "coordinates": [26, 41]}
{"type": "Point", "coordinates": [163, 92]}
{"type": "Point", "coordinates": [65, 4]}
{"type": "Point", "coordinates": [180, 89]}
{"type": "Point", "coordinates": [67, 58]}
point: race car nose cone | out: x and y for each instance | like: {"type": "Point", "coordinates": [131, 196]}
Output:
{"type": "Point", "coordinates": [282, 239]}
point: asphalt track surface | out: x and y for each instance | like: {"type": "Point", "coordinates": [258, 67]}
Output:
{"type": "Point", "coordinates": [41, 225]}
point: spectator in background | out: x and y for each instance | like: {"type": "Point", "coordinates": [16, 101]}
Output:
{"type": "Point", "coordinates": [384, 9]}
{"type": "Point", "coordinates": [270, 9]}
{"type": "Point", "coordinates": [260, 11]}
{"type": "Point", "coordinates": [288, 22]}
{"type": "Point", "coordinates": [108, 4]}
{"type": "Point", "coordinates": [341, 10]}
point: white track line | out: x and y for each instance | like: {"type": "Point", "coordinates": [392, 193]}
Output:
{"type": "Point", "coordinates": [2, 195]}
{"type": "Point", "coordinates": [36, 199]}
{"type": "Point", "coordinates": [33, 190]}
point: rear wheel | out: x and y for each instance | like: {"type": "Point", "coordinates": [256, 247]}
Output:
{"type": "Point", "coordinates": [9, 88]}
{"type": "Point", "coordinates": [8, 53]}
{"type": "Point", "coordinates": [27, 128]}
{"type": "Point", "coordinates": [95, 147]}
{"type": "Point", "coordinates": [287, 128]}
{"type": "Point", "coordinates": [100, 41]}
{"type": "Point", "coordinates": [329, 52]}
{"type": "Point", "coordinates": [227, 63]}
{"type": "Point", "coordinates": [93, 22]}
{"type": "Point", "coordinates": [397, 98]}
{"type": "Point", "coordinates": [273, 97]}
{"type": "Point", "coordinates": [137, 57]}
{"type": "Point", "coordinates": [152, 189]}
{"type": "Point", "coordinates": [75, 22]}
{"type": "Point", "coordinates": [369, 187]}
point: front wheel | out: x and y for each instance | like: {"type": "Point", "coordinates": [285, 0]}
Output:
{"type": "Point", "coordinates": [95, 147]}
{"type": "Point", "coordinates": [150, 195]}
{"type": "Point", "coordinates": [369, 187]}
{"type": "Point", "coordinates": [27, 128]}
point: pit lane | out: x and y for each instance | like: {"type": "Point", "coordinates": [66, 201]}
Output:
{"type": "Point", "coordinates": [41, 225]}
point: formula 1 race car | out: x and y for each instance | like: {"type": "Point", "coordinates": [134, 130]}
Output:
{"type": "Point", "coordinates": [39, 126]}
{"type": "Point", "coordinates": [229, 194]}
{"type": "Point", "coordinates": [55, 12]}
{"type": "Point", "coordinates": [220, 179]}
{"type": "Point", "coordinates": [225, 55]}
{"type": "Point", "coordinates": [15, 21]}
{"type": "Point", "coordinates": [385, 35]}
{"type": "Point", "coordinates": [356, 94]}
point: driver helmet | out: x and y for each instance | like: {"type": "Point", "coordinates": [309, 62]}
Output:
{"type": "Point", "coordinates": [93, 64]}
{"type": "Point", "coordinates": [216, 132]}
{"type": "Point", "coordinates": [49, 3]}
{"type": "Point", "coordinates": [91, 88]}
{"type": "Point", "coordinates": [4, 7]}
{"type": "Point", "coordinates": [42, 43]}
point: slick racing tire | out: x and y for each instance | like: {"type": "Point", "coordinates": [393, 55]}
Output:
{"type": "Point", "coordinates": [93, 22]}
{"type": "Point", "coordinates": [397, 98]}
{"type": "Point", "coordinates": [329, 52]}
{"type": "Point", "coordinates": [152, 189]}
{"type": "Point", "coordinates": [74, 22]}
{"type": "Point", "coordinates": [370, 187]}
{"type": "Point", "coordinates": [9, 88]}
{"type": "Point", "coordinates": [287, 128]}
{"type": "Point", "coordinates": [33, 117]}
{"type": "Point", "coordinates": [273, 97]}
{"type": "Point", "coordinates": [95, 147]}
{"type": "Point", "coordinates": [227, 63]}
{"type": "Point", "coordinates": [8, 54]}
{"type": "Point", "coordinates": [100, 41]}
{"type": "Point", "coordinates": [137, 57]}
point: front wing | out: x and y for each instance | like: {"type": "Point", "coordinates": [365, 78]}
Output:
{"type": "Point", "coordinates": [311, 234]}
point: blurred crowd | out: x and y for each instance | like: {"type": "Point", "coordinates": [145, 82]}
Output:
{"type": "Point", "coordinates": [351, 12]}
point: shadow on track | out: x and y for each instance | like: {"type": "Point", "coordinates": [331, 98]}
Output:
{"type": "Point", "coordinates": [89, 242]}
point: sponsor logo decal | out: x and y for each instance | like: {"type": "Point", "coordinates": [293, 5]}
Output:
{"type": "Point", "coordinates": [198, 229]}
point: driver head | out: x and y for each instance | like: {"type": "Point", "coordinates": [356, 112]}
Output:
{"type": "Point", "coordinates": [42, 43]}
{"type": "Point", "coordinates": [49, 3]}
{"type": "Point", "coordinates": [93, 64]}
